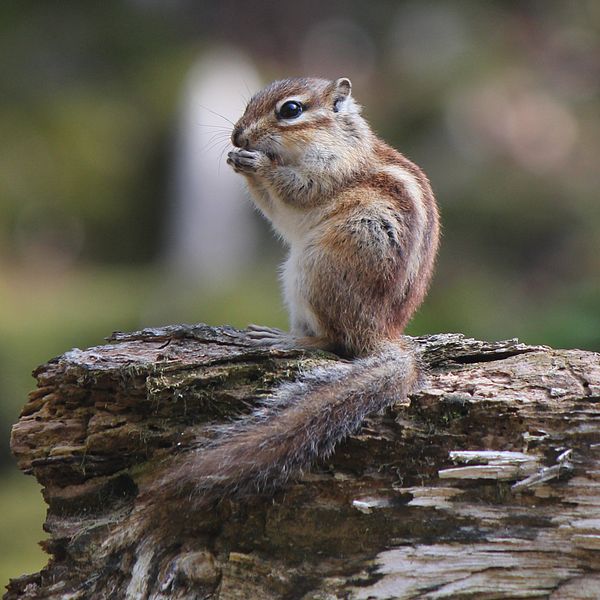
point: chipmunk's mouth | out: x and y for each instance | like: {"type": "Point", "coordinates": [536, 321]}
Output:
{"type": "Point", "coordinates": [266, 149]}
{"type": "Point", "coordinates": [240, 139]}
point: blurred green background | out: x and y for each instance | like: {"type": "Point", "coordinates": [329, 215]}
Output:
{"type": "Point", "coordinates": [498, 102]}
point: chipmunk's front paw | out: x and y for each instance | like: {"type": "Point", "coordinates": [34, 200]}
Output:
{"type": "Point", "coordinates": [247, 161]}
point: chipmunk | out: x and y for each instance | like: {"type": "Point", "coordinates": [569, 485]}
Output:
{"type": "Point", "coordinates": [362, 227]}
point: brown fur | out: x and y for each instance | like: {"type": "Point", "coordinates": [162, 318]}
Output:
{"type": "Point", "coordinates": [318, 91]}
{"type": "Point", "coordinates": [363, 227]}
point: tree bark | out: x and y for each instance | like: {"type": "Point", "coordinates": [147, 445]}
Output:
{"type": "Point", "coordinates": [485, 484]}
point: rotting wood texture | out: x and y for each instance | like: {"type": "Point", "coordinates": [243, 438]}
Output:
{"type": "Point", "coordinates": [486, 484]}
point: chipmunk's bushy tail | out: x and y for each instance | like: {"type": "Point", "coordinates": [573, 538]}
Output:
{"type": "Point", "coordinates": [301, 423]}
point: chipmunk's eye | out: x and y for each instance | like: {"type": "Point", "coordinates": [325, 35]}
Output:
{"type": "Point", "coordinates": [290, 109]}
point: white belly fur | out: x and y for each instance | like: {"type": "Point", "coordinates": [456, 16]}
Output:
{"type": "Point", "coordinates": [302, 318]}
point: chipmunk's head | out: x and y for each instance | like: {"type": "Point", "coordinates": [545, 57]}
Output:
{"type": "Point", "coordinates": [295, 118]}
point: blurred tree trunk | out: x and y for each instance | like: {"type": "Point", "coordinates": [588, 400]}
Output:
{"type": "Point", "coordinates": [486, 484]}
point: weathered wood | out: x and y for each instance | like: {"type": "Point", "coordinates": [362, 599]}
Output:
{"type": "Point", "coordinates": [486, 484]}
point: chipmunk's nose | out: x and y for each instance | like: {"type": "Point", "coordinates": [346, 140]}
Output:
{"type": "Point", "coordinates": [237, 138]}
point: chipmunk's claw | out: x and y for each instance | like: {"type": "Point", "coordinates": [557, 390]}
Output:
{"type": "Point", "coordinates": [260, 335]}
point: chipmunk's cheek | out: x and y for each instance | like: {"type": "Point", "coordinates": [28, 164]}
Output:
{"type": "Point", "coordinates": [290, 149]}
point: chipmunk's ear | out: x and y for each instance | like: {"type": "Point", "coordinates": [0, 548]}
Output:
{"type": "Point", "coordinates": [342, 88]}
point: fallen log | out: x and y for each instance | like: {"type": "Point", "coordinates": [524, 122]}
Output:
{"type": "Point", "coordinates": [485, 484]}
